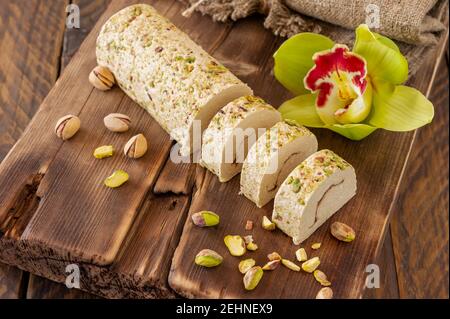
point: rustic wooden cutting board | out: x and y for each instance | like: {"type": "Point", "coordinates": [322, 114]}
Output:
{"type": "Point", "coordinates": [136, 240]}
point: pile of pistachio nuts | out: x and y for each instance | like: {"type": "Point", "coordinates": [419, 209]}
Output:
{"type": "Point", "coordinates": [67, 126]}
{"type": "Point", "coordinates": [238, 246]}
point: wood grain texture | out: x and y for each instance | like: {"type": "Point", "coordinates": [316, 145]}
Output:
{"type": "Point", "coordinates": [420, 221]}
{"type": "Point", "coordinates": [31, 34]}
{"type": "Point", "coordinates": [388, 273]}
{"type": "Point", "coordinates": [41, 288]}
{"type": "Point", "coordinates": [90, 12]}
{"type": "Point", "coordinates": [141, 267]}
{"type": "Point", "coordinates": [379, 170]}
{"type": "Point", "coordinates": [12, 282]}
{"type": "Point", "coordinates": [176, 178]}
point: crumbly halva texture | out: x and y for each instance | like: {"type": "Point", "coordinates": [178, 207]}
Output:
{"type": "Point", "coordinates": [164, 71]}
{"type": "Point", "coordinates": [312, 193]}
{"type": "Point", "coordinates": [272, 157]}
{"type": "Point", "coordinates": [232, 131]}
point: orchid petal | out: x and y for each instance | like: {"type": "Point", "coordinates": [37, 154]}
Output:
{"type": "Point", "coordinates": [403, 109]}
{"type": "Point", "coordinates": [339, 79]}
{"type": "Point", "coordinates": [354, 132]}
{"type": "Point", "coordinates": [384, 62]}
{"type": "Point", "coordinates": [358, 110]}
{"type": "Point", "coordinates": [386, 41]}
{"type": "Point", "coordinates": [302, 109]}
{"type": "Point", "coordinates": [293, 59]}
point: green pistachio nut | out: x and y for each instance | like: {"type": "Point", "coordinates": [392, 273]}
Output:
{"type": "Point", "coordinates": [253, 277]}
{"type": "Point", "coordinates": [205, 218]}
{"type": "Point", "coordinates": [208, 258]}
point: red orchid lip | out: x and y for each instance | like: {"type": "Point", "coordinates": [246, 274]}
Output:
{"type": "Point", "coordinates": [338, 59]}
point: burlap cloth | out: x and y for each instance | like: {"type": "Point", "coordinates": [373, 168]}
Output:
{"type": "Point", "coordinates": [416, 24]}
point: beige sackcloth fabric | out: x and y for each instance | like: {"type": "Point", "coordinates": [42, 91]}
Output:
{"type": "Point", "coordinates": [416, 24]}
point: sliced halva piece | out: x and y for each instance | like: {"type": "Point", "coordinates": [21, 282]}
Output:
{"type": "Point", "coordinates": [312, 193]}
{"type": "Point", "coordinates": [232, 131]}
{"type": "Point", "coordinates": [272, 158]}
{"type": "Point", "coordinates": [165, 72]}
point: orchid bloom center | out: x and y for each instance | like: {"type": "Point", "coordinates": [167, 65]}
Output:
{"type": "Point", "coordinates": [344, 94]}
{"type": "Point", "coordinates": [346, 91]}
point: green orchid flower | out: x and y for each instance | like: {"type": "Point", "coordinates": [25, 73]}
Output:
{"type": "Point", "coordinates": [352, 93]}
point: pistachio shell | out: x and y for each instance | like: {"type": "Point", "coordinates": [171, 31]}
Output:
{"type": "Point", "coordinates": [136, 147]}
{"type": "Point", "coordinates": [102, 78]}
{"type": "Point", "coordinates": [116, 122]}
{"type": "Point", "coordinates": [67, 127]}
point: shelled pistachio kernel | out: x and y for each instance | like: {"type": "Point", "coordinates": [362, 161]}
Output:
{"type": "Point", "coordinates": [267, 224]}
{"type": "Point", "coordinates": [205, 218]}
{"type": "Point", "coordinates": [208, 258]}
{"type": "Point", "coordinates": [342, 232]}
{"type": "Point", "coordinates": [246, 264]}
{"type": "Point", "coordinates": [117, 179]}
{"type": "Point", "coordinates": [67, 126]}
{"type": "Point", "coordinates": [274, 256]}
{"type": "Point", "coordinates": [289, 264]}
{"type": "Point", "coordinates": [136, 147]}
{"type": "Point", "coordinates": [102, 78]}
{"type": "Point", "coordinates": [235, 245]}
{"type": "Point", "coordinates": [316, 246]}
{"type": "Point", "coordinates": [252, 246]}
{"type": "Point", "coordinates": [253, 277]}
{"type": "Point", "coordinates": [321, 278]}
{"type": "Point", "coordinates": [248, 239]}
{"type": "Point", "coordinates": [301, 255]}
{"type": "Point", "coordinates": [311, 264]}
{"type": "Point", "coordinates": [116, 122]}
{"type": "Point", "coordinates": [271, 265]}
{"type": "Point", "coordinates": [325, 293]}
{"type": "Point", "coordinates": [104, 151]}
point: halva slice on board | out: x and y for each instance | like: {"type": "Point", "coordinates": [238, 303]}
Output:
{"type": "Point", "coordinates": [312, 193]}
{"type": "Point", "coordinates": [232, 131]}
{"type": "Point", "coordinates": [272, 158]}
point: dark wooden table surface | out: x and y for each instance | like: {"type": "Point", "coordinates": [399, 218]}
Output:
{"type": "Point", "coordinates": [36, 46]}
